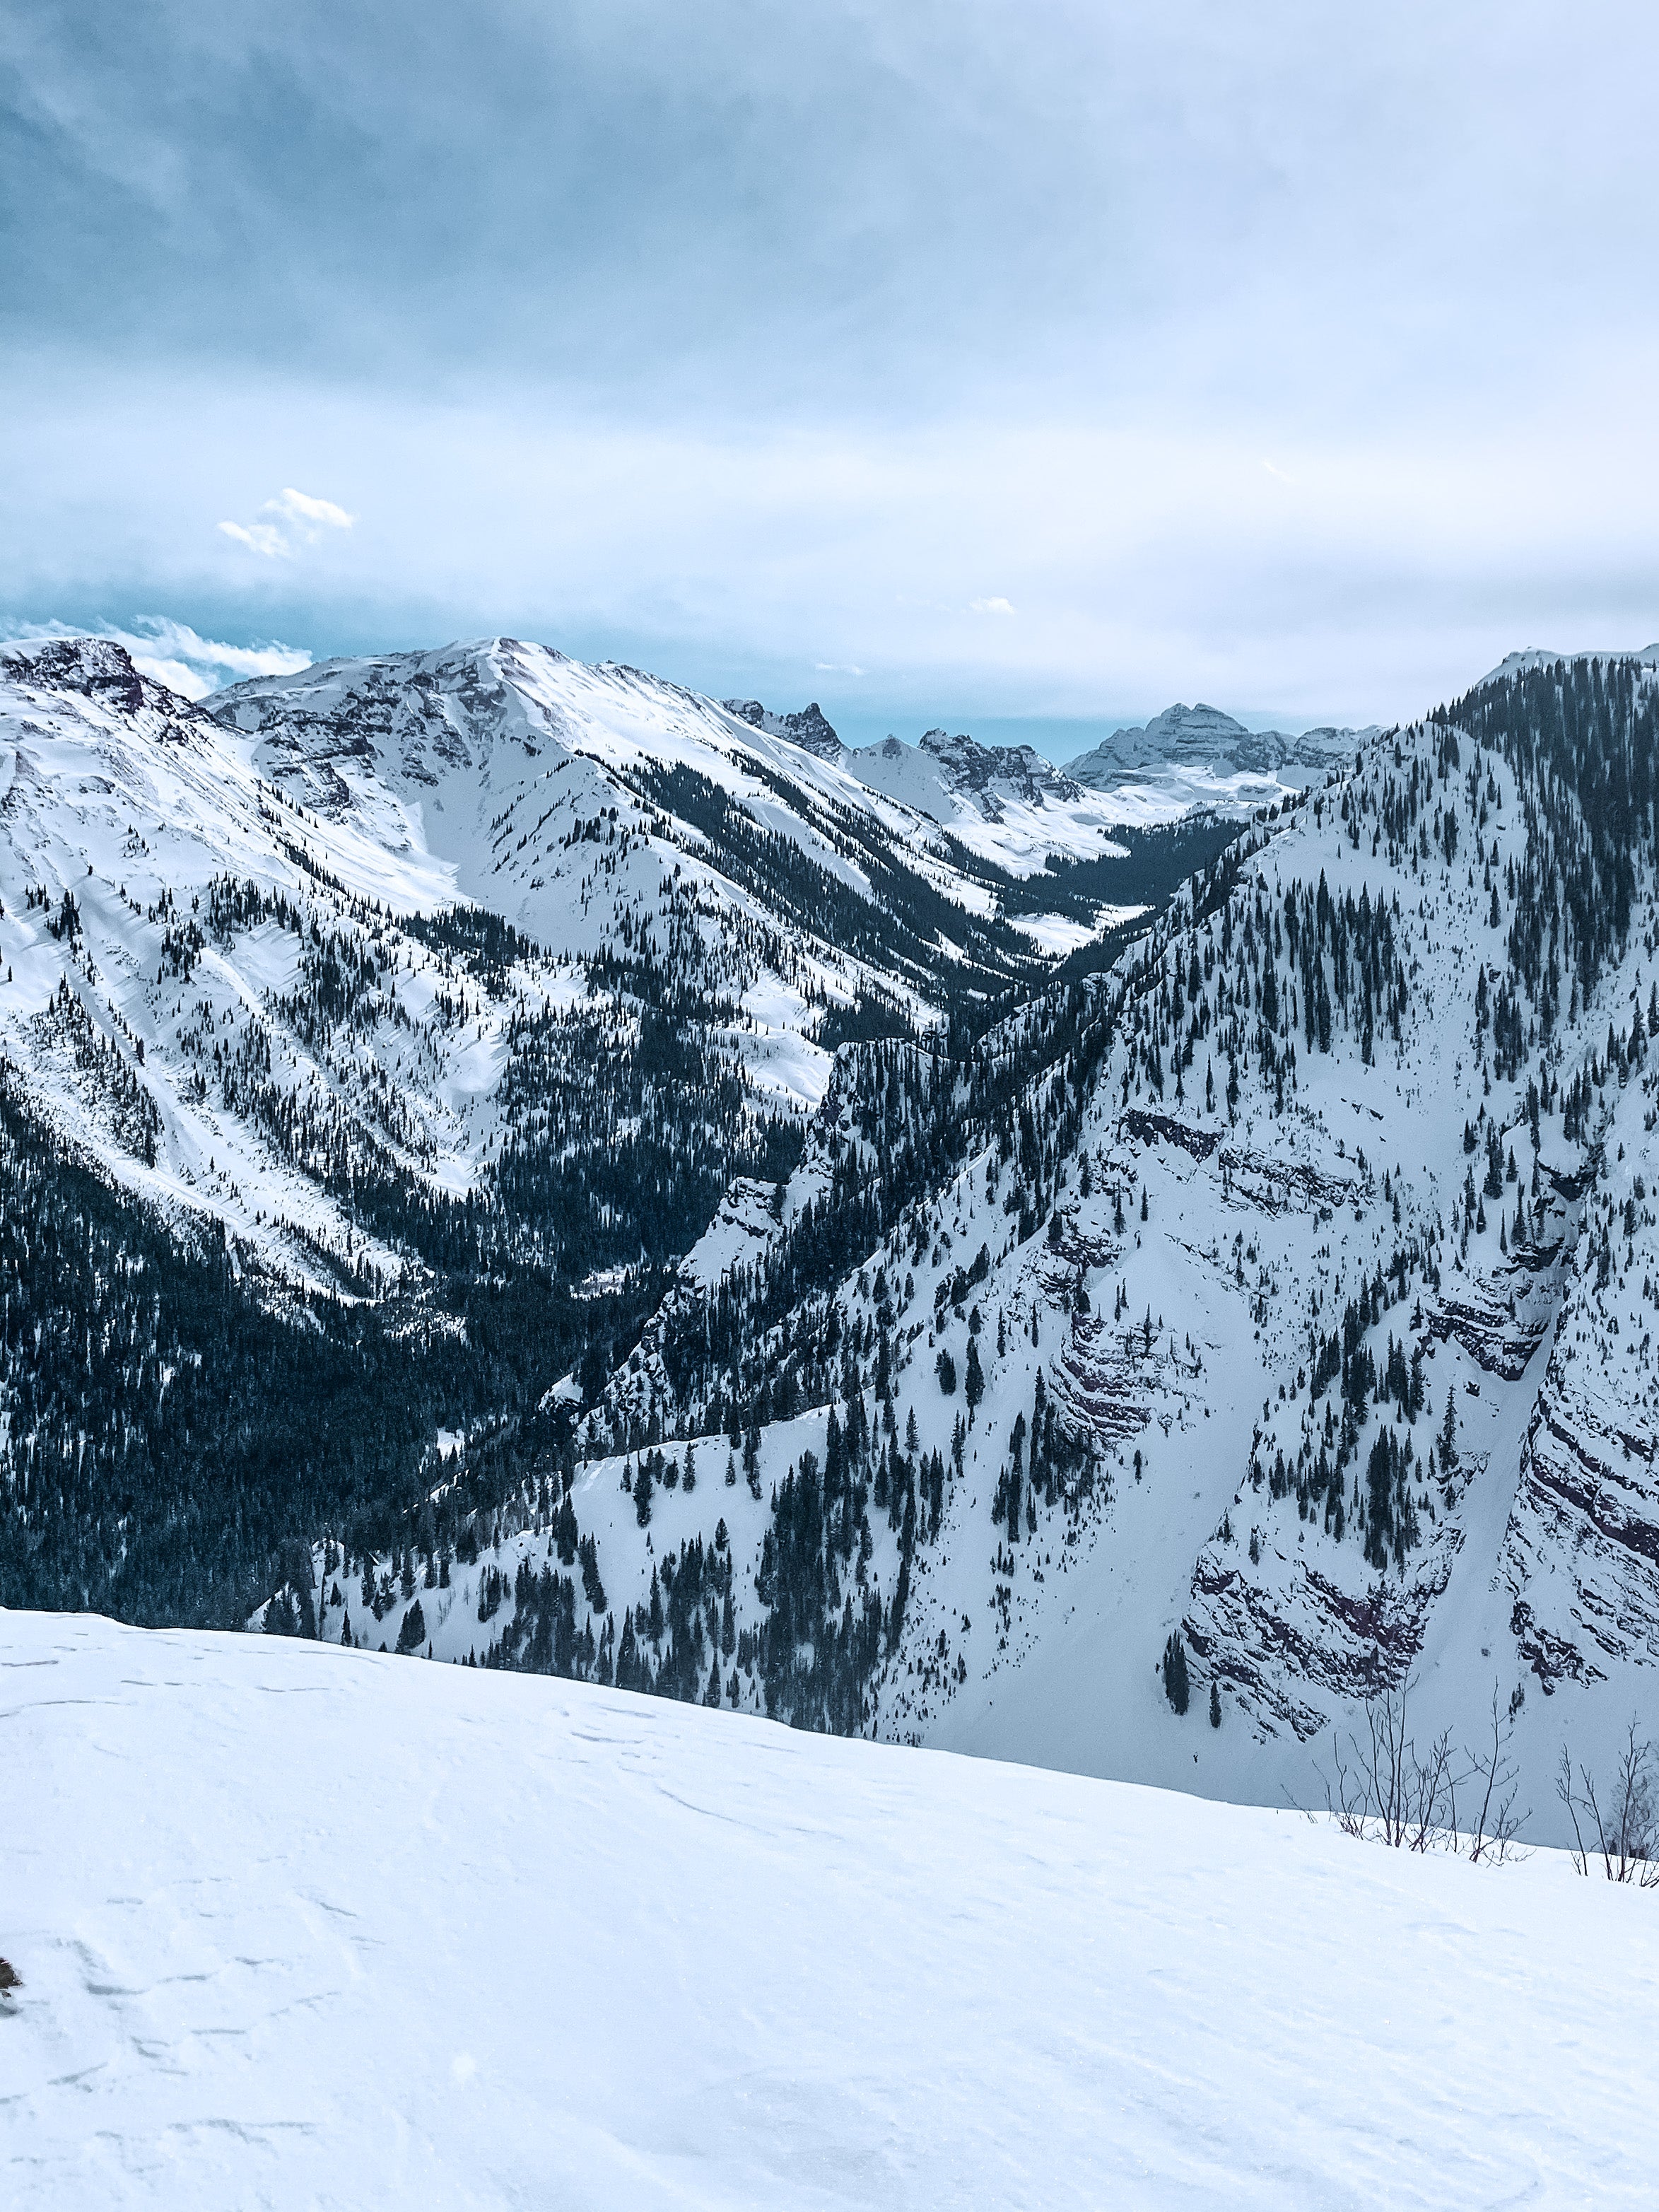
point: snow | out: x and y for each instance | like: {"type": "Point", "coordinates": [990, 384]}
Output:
{"type": "Point", "coordinates": [1197, 757]}
{"type": "Point", "coordinates": [1202, 743]}
{"type": "Point", "coordinates": [480, 730]}
{"type": "Point", "coordinates": [1004, 803]}
{"type": "Point", "coordinates": [304, 1926]}
{"type": "Point", "coordinates": [1057, 934]}
{"type": "Point", "coordinates": [125, 796]}
{"type": "Point", "coordinates": [1534, 1580]}
{"type": "Point", "coordinates": [497, 771]}
{"type": "Point", "coordinates": [739, 1234]}
{"type": "Point", "coordinates": [1519, 664]}
{"type": "Point", "coordinates": [497, 755]}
